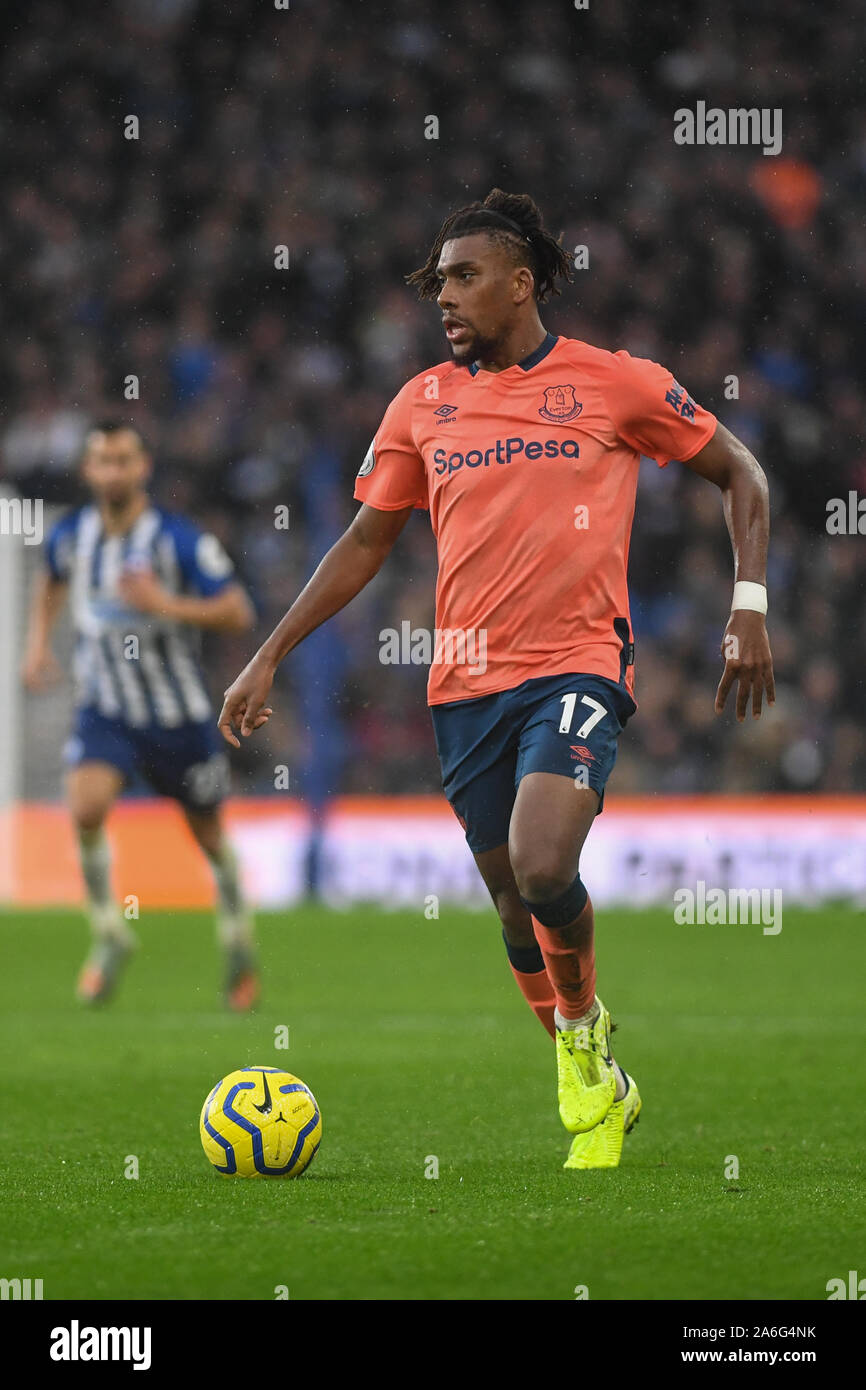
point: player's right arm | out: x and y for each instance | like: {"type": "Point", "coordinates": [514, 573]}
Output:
{"type": "Point", "coordinates": [40, 668]}
{"type": "Point", "coordinates": [347, 567]}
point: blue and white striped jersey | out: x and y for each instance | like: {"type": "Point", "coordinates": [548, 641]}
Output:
{"type": "Point", "coordinates": [134, 666]}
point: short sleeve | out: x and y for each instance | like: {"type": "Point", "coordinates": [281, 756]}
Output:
{"type": "Point", "coordinates": [392, 474]}
{"type": "Point", "coordinates": [653, 413]}
{"type": "Point", "coordinates": [204, 564]}
{"type": "Point", "coordinates": [59, 547]}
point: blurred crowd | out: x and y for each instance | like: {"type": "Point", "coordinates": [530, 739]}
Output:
{"type": "Point", "coordinates": [261, 384]}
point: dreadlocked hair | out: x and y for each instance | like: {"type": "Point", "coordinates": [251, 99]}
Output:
{"type": "Point", "coordinates": [514, 221]}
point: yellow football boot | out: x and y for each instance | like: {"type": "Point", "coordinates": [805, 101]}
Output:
{"type": "Point", "coordinates": [602, 1146]}
{"type": "Point", "coordinates": [585, 1073]}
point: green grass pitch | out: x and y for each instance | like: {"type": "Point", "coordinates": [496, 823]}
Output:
{"type": "Point", "coordinates": [416, 1042]}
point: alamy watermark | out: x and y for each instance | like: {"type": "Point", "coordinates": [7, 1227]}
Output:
{"type": "Point", "coordinates": [22, 516]}
{"type": "Point", "coordinates": [720, 906]}
{"type": "Point", "coordinates": [77, 1343]}
{"type": "Point", "coordinates": [736, 126]}
{"type": "Point", "coordinates": [853, 1288]}
{"type": "Point", "coordinates": [846, 516]}
{"type": "Point", "coordinates": [24, 1289]}
{"type": "Point", "coordinates": [445, 646]}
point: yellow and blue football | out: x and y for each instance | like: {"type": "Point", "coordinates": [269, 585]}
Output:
{"type": "Point", "coordinates": [260, 1122]}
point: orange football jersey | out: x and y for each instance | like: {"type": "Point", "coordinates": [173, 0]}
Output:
{"type": "Point", "coordinates": [530, 476]}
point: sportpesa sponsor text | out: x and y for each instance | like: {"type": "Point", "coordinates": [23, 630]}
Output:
{"type": "Point", "coordinates": [504, 450]}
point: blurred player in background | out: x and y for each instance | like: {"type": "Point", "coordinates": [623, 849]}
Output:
{"type": "Point", "coordinates": [525, 448]}
{"type": "Point", "coordinates": [142, 582]}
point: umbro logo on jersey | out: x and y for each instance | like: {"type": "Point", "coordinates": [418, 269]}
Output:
{"type": "Point", "coordinates": [446, 414]}
{"type": "Point", "coordinates": [559, 404]}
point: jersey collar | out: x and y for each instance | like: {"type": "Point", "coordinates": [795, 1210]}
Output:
{"type": "Point", "coordinates": [544, 347]}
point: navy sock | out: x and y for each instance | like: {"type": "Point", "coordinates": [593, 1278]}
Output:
{"type": "Point", "coordinates": [562, 910]}
{"type": "Point", "coordinates": [527, 959]}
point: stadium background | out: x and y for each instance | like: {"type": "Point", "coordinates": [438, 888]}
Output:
{"type": "Point", "coordinates": [262, 388]}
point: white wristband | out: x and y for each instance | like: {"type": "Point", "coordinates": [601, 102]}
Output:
{"type": "Point", "coordinates": [749, 595]}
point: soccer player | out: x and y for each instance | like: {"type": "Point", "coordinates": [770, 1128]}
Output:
{"type": "Point", "coordinates": [525, 449]}
{"type": "Point", "coordinates": [142, 583]}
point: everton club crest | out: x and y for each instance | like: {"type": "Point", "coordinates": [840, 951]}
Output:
{"type": "Point", "coordinates": [559, 404]}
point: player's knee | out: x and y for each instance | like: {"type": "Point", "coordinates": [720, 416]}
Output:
{"type": "Point", "coordinates": [89, 801]}
{"type": "Point", "coordinates": [543, 876]}
{"type": "Point", "coordinates": [207, 829]}
{"type": "Point", "coordinates": [90, 794]}
{"type": "Point", "coordinates": [561, 909]}
{"type": "Point", "coordinates": [515, 918]}
{"type": "Point", "coordinates": [88, 816]}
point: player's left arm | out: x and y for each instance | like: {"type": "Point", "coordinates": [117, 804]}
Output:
{"type": "Point", "coordinates": [727, 462]}
{"type": "Point", "coordinates": [212, 596]}
{"type": "Point", "coordinates": [228, 611]}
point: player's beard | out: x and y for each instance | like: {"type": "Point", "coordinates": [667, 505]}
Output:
{"type": "Point", "coordinates": [118, 500]}
{"type": "Point", "coordinates": [465, 354]}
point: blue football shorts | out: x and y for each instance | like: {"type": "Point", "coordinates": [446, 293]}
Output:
{"type": "Point", "coordinates": [187, 763]}
{"type": "Point", "coordinates": [565, 724]}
